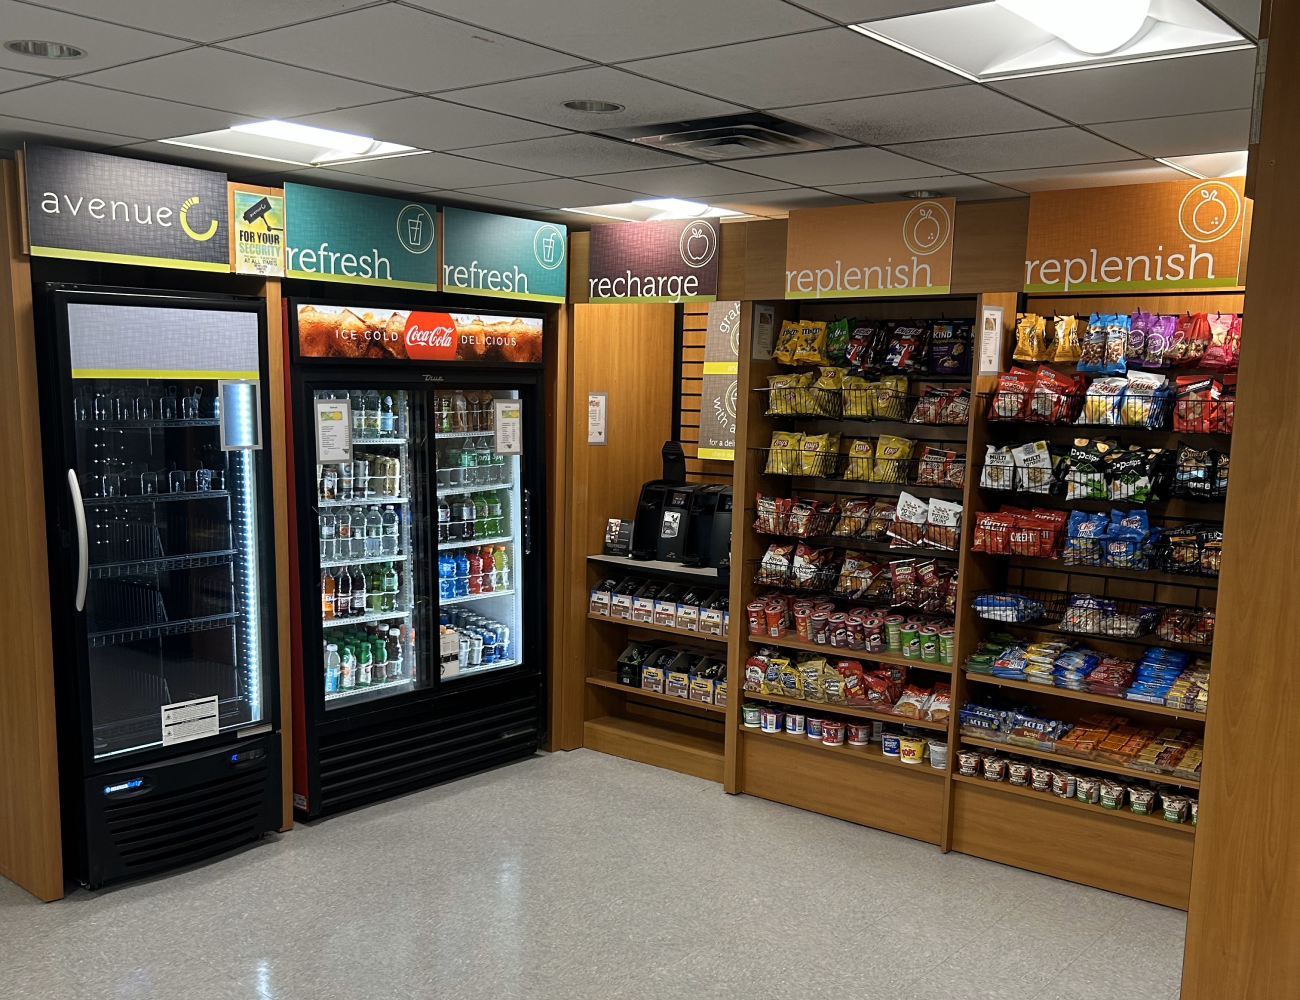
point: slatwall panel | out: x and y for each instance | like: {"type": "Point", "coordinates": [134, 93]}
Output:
{"type": "Point", "coordinates": [695, 321]}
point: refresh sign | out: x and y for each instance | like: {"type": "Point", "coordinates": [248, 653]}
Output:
{"type": "Point", "coordinates": [501, 256]}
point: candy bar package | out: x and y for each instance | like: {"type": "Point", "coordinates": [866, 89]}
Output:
{"type": "Point", "coordinates": [862, 350]}
{"type": "Point", "coordinates": [787, 341]}
{"type": "Point", "coordinates": [1065, 339]}
{"type": "Point", "coordinates": [783, 459]}
{"type": "Point", "coordinates": [837, 340]}
{"type": "Point", "coordinates": [810, 349]}
{"type": "Point", "coordinates": [950, 347]}
{"type": "Point", "coordinates": [1031, 338]}
{"type": "Point", "coordinates": [909, 348]}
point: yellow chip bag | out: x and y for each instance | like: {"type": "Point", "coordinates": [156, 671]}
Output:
{"type": "Point", "coordinates": [783, 458]}
{"type": "Point", "coordinates": [892, 454]}
{"type": "Point", "coordinates": [1067, 347]}
{"type": "Point", "coordinates": [857, 396]}
{"type": "Point", "coordinates": [858, 468]}
{"type": "Point", "coordinates": [812, 344]}
{"type": "Point", "coordinates": [891, 398]}
{"type": "Point", "coordinates": [818, 455]}
{"type": "Point", "coordinates": [1031, 338]}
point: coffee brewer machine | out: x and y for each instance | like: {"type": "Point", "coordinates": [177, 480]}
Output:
{"type": "Point", "coordinates": [710, 527]}
{"type": "Point", "coordinates": [654, 496]}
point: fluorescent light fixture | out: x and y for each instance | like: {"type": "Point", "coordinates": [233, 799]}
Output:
{"type": "Point", "coordinates": [1206, 165]}
{"type": "Point", "coordinates": [656, 210]}
{"type": "Point", "coordinates": [1006, 39]}
{"type": "Point", "coordinates": [293, 142]}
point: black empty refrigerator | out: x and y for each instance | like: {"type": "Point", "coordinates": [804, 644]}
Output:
{"type": "Point", "coordinates": [418, 636]}
{"type": "Point", "coordinates": [162, 588]}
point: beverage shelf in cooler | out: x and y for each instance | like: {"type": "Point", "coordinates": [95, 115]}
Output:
{"type": "Point", "coordinates": [447, 435]}
{"type": "Point", "coordinates": [448, 601]}
{"type": "Point", "coordinates": [447, 491]}
{"type": "Point", "coordinates": [163, 564]}
{"type": "Point", "coordinates": [158, 497]}
{"type": "Point", "coordinates": [388, 685]}
{"type": "Point", "coordinates": [358, 442]}
{"type": "Point", "coordinates": [367, 502]}
{"type": "Point", "coordinates": [361, 561]}
{"type": "Point", "coordinates": [471, 543]}
{"type": "Point", "coordinates": [134, 633]}
{"type": "Point", "coordinates": [484, 668]}
{"type": "Point", "coordinates": [377, 616]}
{"type": "Point", "coordinates": [114, 425]}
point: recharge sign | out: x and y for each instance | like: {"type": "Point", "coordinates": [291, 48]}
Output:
{"type": "Point", "coordinates": [1177, 235]}
{"type": "Point", "coordinates": [671, 261]}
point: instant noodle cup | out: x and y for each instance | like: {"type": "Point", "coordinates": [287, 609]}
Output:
{"type": "Point", "coordinates": [858, 734]}
{"type": "Point", "coordinates": [795, 723]}
{"type": "Point", "coordinates": [890, 744]}
{"type": "Point", "coordinates": [1018, 773]}
{"type": "Point", "coordinates": [969, 763]}
{"type": "Point", "coordinates": [751, 715]}
{"type": "Point", "coordinates": [938, 755]}
{"type": "Point", "coordinates": [813, 727]}
{"type": "Point", "coordinates": [832, 733]}
{"type": "Point", "coordinates": [912, 749]}
{"type": "Point", "coordinates": [893, 632]}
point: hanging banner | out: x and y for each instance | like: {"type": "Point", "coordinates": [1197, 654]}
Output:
{"type": "Point", "coordinates": [718, 396]}
{"type": "Point", "coordinates": [859, 251]}
{"type": "Point", "coordinates": [484, 254]}
{"type": "Point", "coordinates": [361, 239]}
{"type": "Point", "coordinates": [674, 261]}
{"type": "Point", "coordinates": [1178, 234]}
{"type": "Point", "coordinates": [414, 335]}
{"type": "Point", "coordinates": [257, 220]}
{"type": "Point", "coordinates": [89, 206]}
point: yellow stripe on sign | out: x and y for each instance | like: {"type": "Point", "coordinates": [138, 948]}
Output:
{"type": "Point", "coordinates": [158, 373]}
{"type": "Point", "coordinates": [717, 454]}
{"type": "Point", "coordinates": [720, 368]}
{"type": "Point", "coordinates": [358, 280]}
{"type": "Point", "coordinates": [126, 258]}
{"type": "Point", "coordinates": [527, 296]}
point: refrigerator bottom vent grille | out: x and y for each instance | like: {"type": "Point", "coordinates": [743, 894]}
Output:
{"type": "Point", "coordinates": [174, 827]}
{"type": "Point", "coordinates": [371, 763]}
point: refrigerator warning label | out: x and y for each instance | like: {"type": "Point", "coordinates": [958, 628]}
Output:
{"type": "Point", "coordinates": [190, 720]}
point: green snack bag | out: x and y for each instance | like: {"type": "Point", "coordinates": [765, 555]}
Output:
{"type": "Point", "coordinates": [837, 339]}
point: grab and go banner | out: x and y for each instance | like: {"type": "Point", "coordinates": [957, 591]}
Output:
{"type": "Point", "coordinates": [1177, 235]}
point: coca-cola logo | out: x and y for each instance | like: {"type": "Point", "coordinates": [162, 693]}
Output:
{"type": "Point", "coordinates": [431, 336]}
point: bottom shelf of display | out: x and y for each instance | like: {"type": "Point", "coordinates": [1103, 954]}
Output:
{"type": "Point", "coordinates": [354, 692]}
{"type": "Point", "coordinates": [870, 753]}
{"type": "Point", "coordinates": [1125, 814]}
{"type": "Point", "coordinates": [677, 748]}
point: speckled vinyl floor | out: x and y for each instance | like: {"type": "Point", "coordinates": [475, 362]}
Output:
{"type": "Point", "coordinates": [575, 876]}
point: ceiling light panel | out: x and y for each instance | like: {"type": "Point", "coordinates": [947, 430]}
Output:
{"type": "Point", "coordinates": [1007, 39]}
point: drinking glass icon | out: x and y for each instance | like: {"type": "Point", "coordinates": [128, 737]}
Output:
{"type": "Point", "coordinates": [414, 227]}
{"type": "Point", "coordinates": [548, 248]}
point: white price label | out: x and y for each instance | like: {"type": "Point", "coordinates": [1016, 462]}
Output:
{"type": "Point", "coordinates": [509, 424]}
{"type": "Point", "coordinates": [597, 404]}
{"type": "Point", "coordinates": [183, 721]}
{"type": "Point", "coordinates": [333, 430]}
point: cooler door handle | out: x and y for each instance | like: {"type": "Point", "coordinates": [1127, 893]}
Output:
{"type": "Point", "coordinates": [528, 522]}
{"type": "Point", "coordinates": [83, 548]}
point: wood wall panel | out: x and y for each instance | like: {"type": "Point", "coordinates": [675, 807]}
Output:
{"type": "Point", "coordinates": [1244, 917]}
{"type": "Point", "coordinates": [579, 259]}
{"type": "Point", "coordinates": [988, 246]}
{"type": "Point", "coordinates": [30, 838]}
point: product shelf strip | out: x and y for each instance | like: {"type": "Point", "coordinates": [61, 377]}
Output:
{"type": "Point", "coordinates": [608, 679]}
{"type": "Point", "coordinates": [447, 601]}
{"type": "Point", "coordinates": [362, 561]}
{"type": "Point", "coordinates": [158, 497]}
{"type": "Point", "coordinates": [844, 653]}
{"type": "Point", "coordinates": [681, 633]}
{"type": "Point", "coordinates": [871, 753]}
{"type": "Point", "coordinates": [378, 616]}
{"type": "Point", "coordinates": [386, 685]}
{"type": "Point", "coordinates": [494, 540]}
{"type": "Point", "coordinates": [1116, 704]}
{"type": "Point", "coordinates": [857, 711]}
{"type": "Point", "coordinates": [134, 633]}
{"type": "Point", "coordinates": [1080, 762]}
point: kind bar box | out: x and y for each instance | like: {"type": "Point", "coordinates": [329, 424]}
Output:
{"type": "Point", "coordinates": [620, 602]}
{"type": "Point", "coordinates": [666, 605]}
{"type": "Point", "coordinates": [601, 596]}
{"type": "Point", "coordinates": [643, 603]}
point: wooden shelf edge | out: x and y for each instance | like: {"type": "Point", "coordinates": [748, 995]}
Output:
{"type": "Point", "coordinates": [608, 679]}
{"type": "Point", "coordinates": [685, 751]}
{"type": "Point", "coordinates": [665, 629]}
{"type": "Point", "coordinates": [844, 653]}
{"type": "Point", "coordinates": [1080, 762]}
{"type": "Point", "coordinates": [1028, 793]}
{"type": "Point", "coordinates": [870, 754]}
{"type": "Point", "coordinates": [854, 710]}
{"type": "Point", "coordinates": [1096, 699]}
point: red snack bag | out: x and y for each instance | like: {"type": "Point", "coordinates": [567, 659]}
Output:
{"type": "Point", "coordinates": [1196, 409]}
{"type": "Point", "coordinates": [991, 534]}
{"type": "Point", "coordinates": [1057, 398]}
{"type": "Point", "coordinates": [1015, 390]}
{"type": "Point", "coordinates": [854, 682]}
{"type": "Point", "coordinates": [1198, 339]}
{"type": "Point", "coordinates": [1225, 340]}
{"type": "Point", "coordinates": [1227, 403]}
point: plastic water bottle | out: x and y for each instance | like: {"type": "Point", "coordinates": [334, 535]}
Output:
{"type": "Point", "coordinates": [357, 550]}
{"type": "Point", "coordinates": [348, 668]}
{"type": "Point", "coordinates": [386, 417]}
{"type": "Point", "coordinates": [332, 667]}
{"type": "Point", "coordinates": [462, 574]}
{"type": "Point", "coordinates": [374, 532]}
{"type": "Point", "coordinates": [390, 522]}
{"type": "Point", "coordinates": [328, 529]}
{"type": "Point", "coordinates": [370, 422]}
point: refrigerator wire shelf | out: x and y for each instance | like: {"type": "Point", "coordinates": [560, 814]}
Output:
{"type": "Point", "coordinates": [465, 599]}
{"type": "Point", "coordinates": [388, 685]}
{"type": "Point", "coordinates": [133, 633]}
{"type": "Point", "coordinates": [378, 616]}
{"type": "Point", "coordinates": [158, 497]}
{"type": "Point", "coordinates": [470, 543]}
{"type": "Point", "coordinates": [162, 564]}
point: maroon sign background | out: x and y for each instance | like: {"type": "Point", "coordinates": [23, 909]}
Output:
{"type": "Point", "coordinates": [674, 261]}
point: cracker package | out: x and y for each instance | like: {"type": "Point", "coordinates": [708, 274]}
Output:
{"type": "Point", "coordinates": [1031, 338]}
{"type": "Point", "coordinates": [1065, 345]}
{"type": "Point", "coordinates": [812, 673]}
{"type": "Point", "coordinates": [784, 457]}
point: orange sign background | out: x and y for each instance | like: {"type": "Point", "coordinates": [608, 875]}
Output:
{"type": "Point", "coordinates": [1179, 234]}
{"type": "Point", "coordinates": [892, 248]}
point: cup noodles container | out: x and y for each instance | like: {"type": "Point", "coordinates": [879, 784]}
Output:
{"type": "Point", "coordinates": [813, 727]}
{"type": "Point", "coordinates": [912, 749]}
{"type": "Point", "coordinates": [751, 715]}
{"type": "Point", "coordinates": [858, 734]}
{"type": "Point", "coordinates": [890, 744]}
{"type": "Point", "coordinates": [757, 611]}
{"type": "Point", "coordinates": [938, 755]}
{"type": "Point", "coordinates": [1018, 772]}
{"type": "Point", "coordinates": [801, 616]}
{"type": "Point", "coordinates": [832, 733]}
{"type": "Point", "coordinates": [795, 723]}
{"type": "Point", "coordinates": [770, 720]}
{"type": "Point", "coordinates": [969, 763]}
{"type": "Point", "coordinates": [893, 632]}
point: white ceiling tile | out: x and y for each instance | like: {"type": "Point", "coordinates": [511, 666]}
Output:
{"type": "Point", "coordinates": [856, 11]}
{"type": "Point", "coordinates": [240, 84]}
{"type": "Point", "coordinates": [560, 192]}
{"type": "Point", "coordinates": [238, 167]}
{"type": "Point", "coordinates": [1092, 175]}
{"type": "Point", "coordinates": [1222, 81]}
{"type": "Point", "coordinates": [13, 80]}
{"type": "Point", "coordinates": [837, 166]}
{"type": "Point", "coordinates": [1053, 147]}
{"type": "Point", "coordinates": [463, 199]}
{"type": "Point", "coordinates": [542, 99]}
{"type": "Point", "coordinates": [922, 114]}
{"type": "Point", "coordinates": [16, 131]}
{"type": "Point", "coordinates": [435, 171]}
{"type": "Point", "coordinates": [204, 20]}
{"type": "Point", "coordinates": [322, 177]}
{"type": "Point", "coordinates": [1182, 135]}
{"type": "Point", "coordinates": [1214, 164]}
{"type": "Point", "coordinates": [398, 46]}
{"type": "Point", "coordinates": [631, 31]}
{"type": "Point", "coordinates": [104, 44]}
{"type": "Point", "coordinates": [574, 155]}
{"type": "Point", "coordinates": [777, 204]}
{"type": "Point", "coordinates": [428, 123]}
{"type": "Point", "coordinates": [696, 181]}
{"type": "Point", "coordinates": [1244, 14]}
{"type": "Point", "coordinates": [829, 65]}
{"type": "Point", "coordinates": [81, 106]}
{"type": "Point", "coordinates": [957, 186]}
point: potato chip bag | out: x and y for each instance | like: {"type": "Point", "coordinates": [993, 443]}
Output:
{"type": "Point", "coordinates": [784, 457]}
{"type": "Point", "coordinates": [859, 466]}
{"type": "Point", "coordinates": [818, 455]}
{"type": "Point", "coordinates": [892, 455]}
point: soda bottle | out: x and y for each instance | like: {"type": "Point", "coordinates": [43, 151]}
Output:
{"type": "Point", "coordinates": [348, 668]}
{"type": "Point", "coordinates": [326, 595]}
{"type": "Point", "coordinates": [370, 424]}
{"type": "Point", "coordinates": [365, 664]}
{"type": "Point", "coordinates": [357, 550]}
{"type": "Point", "coordinates": [386, 417]}
{"type": "Point", "coordinates": [374, 532]}
{"type": "Point", "coordinates": [468, 464]}
{"type": "Point", "coordinates": [328, 526]}
{"type": "Point", "coordinates": [379, 654]}
{"type": "Point", "coordinates": [394, 653]}
{"type": "Point", "coordinates": [475, 560]}
{"type": "Point", "coordinates": [459, 412]}
{"type": "Point", "coordinates": [343, 594]}
{"type": "Point", "coordinates": [343, 534]}
{"type": "Point", "coordinates": [442, 414]}
{"type": "Point", "coordinates": [501, 568]}
{"type": "Point", "coordinates": [481, 517]}
{"type": "Point", "coordinates": [444, 520]}
{"type": "Point", "coordinates": [462, 574]}
{"type": "Point", "coordinates": [390, 587]}
{"type": "Point", "coordinates": [487, 571]}
{"type": "Point", "coordinates": [332, 664]}
{"type": "Point", "coordinates": [390, 524]}
{"type": "Point", "coordinates": [358, 414]}
{"type": "Point", "coordinates": [358, 591]}
{"type": "Point", "coordinates": [466, 517]}
{"type": "Point", "coordinates": [496, 525]}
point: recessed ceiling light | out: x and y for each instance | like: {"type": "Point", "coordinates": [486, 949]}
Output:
{"type": "Point", "coordinates": [44, 50]}
{"type": "Point", "coordinates": [1007, 39]}
{"type": "Point", "coordinates": [595, 107]}
{"type": "Point", "coordinates": [293, 142]}
{"type": "Point", "coordinates": [656, 210]}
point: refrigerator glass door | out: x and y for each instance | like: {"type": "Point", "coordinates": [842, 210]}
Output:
{"type": "Point", "coordinates": [481, 511]}
{"type": "Point", "coordinates": [166, 419]}
{"type": "Point", "coordinates": [372, 506]}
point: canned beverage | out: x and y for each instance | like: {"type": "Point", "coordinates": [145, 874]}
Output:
{"type": "Point", "coordinates": [346, 483]}
{"type": "Point", "coordinates": [893, 632]}
{"type": "Point", "coordinates": [795, 723]}
{"type": "Point", "coordinates": [475, 649]}
{"type": "Point", "coordinates": [947, 646]}
{"type": "Point", "coordinates": [832, 733]}
{"type": "Point", "coordinates": [890, 744]}
{"type": "Point", "coordinates": [858, 734]}
{"type": "Point", "coordinates": [912, 749]}
{"type": "Point", "coordinates": [757, 617]}
{"type": "Point", "coordinates": [813, 728]}
{"type": "Point", "coordinates": [361, 479]}
{"type": "Point", "coordinates": [464, 650]}
{"type": "Point", "coordinates": [751, 715]}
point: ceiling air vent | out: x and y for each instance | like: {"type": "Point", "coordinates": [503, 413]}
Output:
{"type": "Point", "coordinates": [731, 137]}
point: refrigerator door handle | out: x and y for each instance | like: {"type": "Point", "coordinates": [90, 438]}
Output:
{"type": "Point", "coordinates": [528, 522]}
{"type": "Point", "coordinates": [83, 548]}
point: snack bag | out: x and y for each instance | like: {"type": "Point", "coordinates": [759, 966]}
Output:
{"type": "Point", "coordinates": [859, 465]}
{"type": "Point", "coordinates": [811, 349]}
{"type": "Point", "coordinates": [1066, 346]}
{"type": "Point", "coordinates": [913, 702]}
{"type": "Point", "coordinates": [1034, 467]}
{"type": "Point", "coordinates": [889, 401]}
{"type": "Point", "coordinates": [772, 673]}
{"type": "Point", "coordinates": [1101, 405]}
{"type": "Point", "coordinates": [786, 342]}
{"type": "Point", "coordinates": [784, 457]}
{"type": "Point", "coordinates": [811, 672]}
{"type": "Point", "coordinates": [950, 347]}
{"type": "Point", "coordinates": [1146, 401]}
{"type": "Point", "coordinates": [999, 472]}
{"type": "Point", "coordinates": [1198, 340]}
{"type": "Point", "coordinates": [883, 513]}
{"type": "Point", "coordinates": [1139, 328]}
{"type": "Point", "coordinates": [1015, 390]}
{"type": "Point", "coordinates": [856, 398]}
{"type": "Point", "coordinates": [854, 682]}
{"type": "Point", "coordinates": [857, 574]}
{"type": "Point", "coordinates": [837, 340]}
{"type": "Point", "coordinates": [1087, 471]}
{"type": "Point", "coordinates": [892, 455]}
{"type": "Point", "coordinates": [1092, 353]}
{"type": "Point", "coordinates": [818, 454]}
{"type": "Point", "coordinates": [1031, 338]}
{"type": "Point", "coordinates": [791, 680]}
{"type": "Point", "coordinates": [854, 514]}
{"type": "Point", "coordinates": [909, 348]}
{"type": "Point", "coordinates": [943, 525]}
{"type": "Point", "coordinates": [785, 393]}
{"type": "Point", "coordinates": [1225, 342]}
{"type": "Point", "coordinates": [858, 353]}
{"type": "Point", "coordinates": [910, 517]}
{"type": "Point", "coordinates": [1056, 398]}
{"type": "Point", "coordinates": [1161, 331]}
{"type": "Point", "coordinates": [807, 568]}
{"type": "Point", "coordinates": [1114, 361]}
{"type": "Point", "coordinates": [774, 568]}
{"type": "Point", "coordinates": [771, 514]}
{"type": "Point", "coordinates": [933, 467]}
{"type": "Point", "coordinates": [940, 706]}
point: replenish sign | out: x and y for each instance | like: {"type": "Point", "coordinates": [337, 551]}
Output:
{"type": "Point", "coordinates": [859, 251]}
{"type": "Point", "coordinates": [1178, 234]}
{"type": "Point", "coordinates": [484, 254]}
{"type": "Point", "coordinates": [671, 261]}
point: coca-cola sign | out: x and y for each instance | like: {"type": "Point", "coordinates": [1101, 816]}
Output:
{"type": "Point", "coordinates": [332, 331]}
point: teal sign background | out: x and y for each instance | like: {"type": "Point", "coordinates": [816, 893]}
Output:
{"type": "Point", "coordinates": [484, 254]}
{"type": "Point", "coordinates": [361, 239]}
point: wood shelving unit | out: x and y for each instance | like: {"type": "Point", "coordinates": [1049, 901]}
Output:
{"type": "Point", "coordinates": [686, 635]}
{"type": "Point", "coordinates": [607, 679]}
{"type": "Point", "coordinates": [1124, 814]}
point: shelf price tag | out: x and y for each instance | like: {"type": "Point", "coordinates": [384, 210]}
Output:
{"type": "Point", "coordinates": [508, 414]}
{"type": "Point", "coordinates": [333, 430]}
